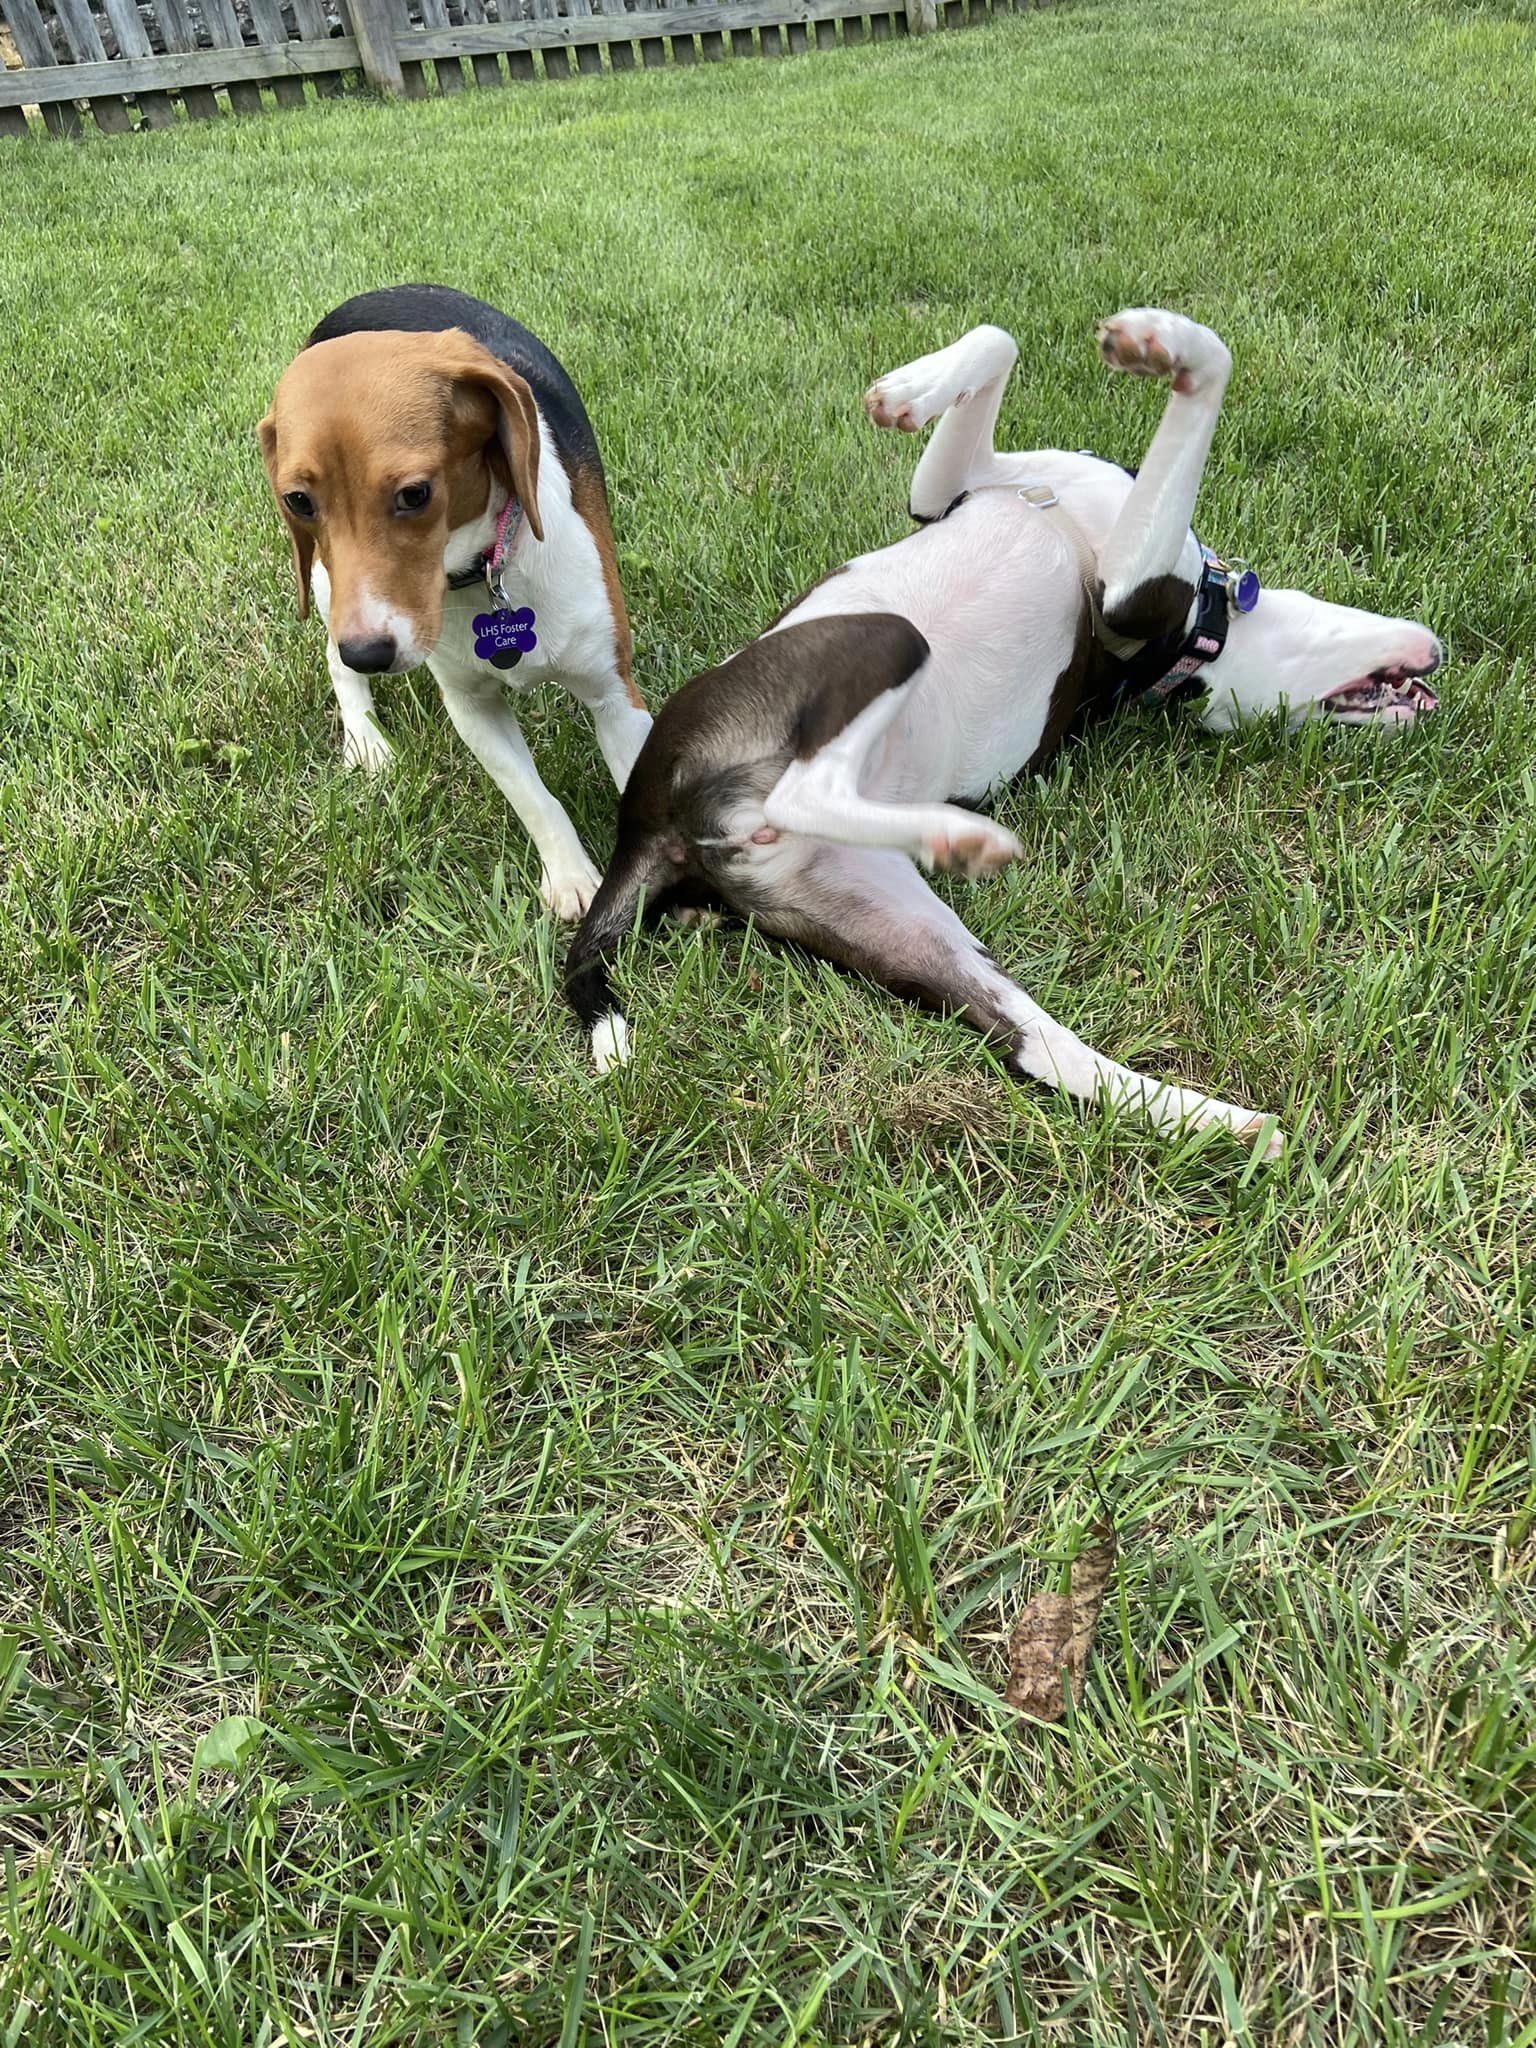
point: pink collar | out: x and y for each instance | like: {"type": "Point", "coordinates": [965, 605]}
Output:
{"type": "Point", "coordinates": [490, 565]}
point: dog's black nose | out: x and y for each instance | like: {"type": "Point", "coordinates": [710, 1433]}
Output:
{"type": "Point", "coordinates": [368, 657]}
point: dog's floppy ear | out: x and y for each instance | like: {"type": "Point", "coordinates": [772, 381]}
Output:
{"type": "Point", "coordinates": [303, 542]}
{"type": "Point", "coordinates": [514, 455]}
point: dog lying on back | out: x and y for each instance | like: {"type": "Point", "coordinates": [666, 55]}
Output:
{"type": "Point", "coordinates": [443, 493]}
{"type": "Point", "coordinates": [801, 781]}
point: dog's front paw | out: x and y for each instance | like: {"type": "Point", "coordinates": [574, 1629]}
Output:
{"type": "Point", "coordinates": [568, 891]}
{"type": "Point", "coordinates": [918, 392]}
{"type": "Point", "coordinates": [973, 845]}
{"type": "Point", "coordinates": [1147, 342]}
{"type": "Point", "coordinates": [901, 401]}
{"type": "Point", "coordinates": [365, 747]}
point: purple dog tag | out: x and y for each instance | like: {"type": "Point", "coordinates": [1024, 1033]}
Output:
{"type": "Point", "coordinates": [1245, 591]}
{"type": "Point", "coordinates": [503, 638]}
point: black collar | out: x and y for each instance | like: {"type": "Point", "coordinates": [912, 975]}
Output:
{"type": "Point", "coordinates": [1167, 671]}
{"type": "Point", "coordinates": [461, 579]}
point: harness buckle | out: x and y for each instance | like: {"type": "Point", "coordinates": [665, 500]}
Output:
{"type": "Point", "coordinates": [1041, 496]}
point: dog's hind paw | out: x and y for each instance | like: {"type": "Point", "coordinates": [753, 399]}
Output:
{"type": "Point", "coordinates": [973, 845]}
{"type": "Point", "coordinates": [1275, 1145]}
{"type": "Point", "coordinates": [1147, 342]}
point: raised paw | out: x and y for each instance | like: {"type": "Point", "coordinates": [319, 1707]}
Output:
{"type": "Point", "coordinates": [897, 401]}
{"type": "Point", "coordinates": [1146, 342]}
{"type": "Point", "coordinates": [975, 847]}
{"type": "Point", "coordinates": [910, 397]}
{"type": "Point", "coordinates": [569, 890]}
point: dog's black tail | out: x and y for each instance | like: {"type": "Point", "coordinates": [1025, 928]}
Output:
{"type": "Point", "coordinates": [641, 869]}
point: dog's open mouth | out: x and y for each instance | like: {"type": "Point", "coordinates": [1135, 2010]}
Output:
{"type": "Point", "coordinates": [1386, 694]}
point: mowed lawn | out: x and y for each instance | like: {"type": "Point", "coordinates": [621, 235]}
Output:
{"type": "Point", "coordinates": [606, 1504]}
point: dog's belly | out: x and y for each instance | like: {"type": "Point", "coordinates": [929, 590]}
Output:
{"type": "Point", "coordinates": [996, 591]}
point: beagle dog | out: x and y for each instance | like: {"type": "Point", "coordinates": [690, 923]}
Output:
{"type": "Point", "coordinates": [805, 780]}
{"type": "Point", "coordinates": [442, 489]}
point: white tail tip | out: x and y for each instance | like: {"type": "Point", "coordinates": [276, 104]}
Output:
{"type": "Point", "coordinates": [610, 1042]}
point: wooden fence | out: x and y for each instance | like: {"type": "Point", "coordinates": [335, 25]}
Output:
{"type": "Point", "coordinates": [132, 63]}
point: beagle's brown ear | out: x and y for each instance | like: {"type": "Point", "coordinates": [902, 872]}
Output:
{"type": "Point", "coordinates": [514, 456]}
{"type": "Point", "coordinates": [301, 540]}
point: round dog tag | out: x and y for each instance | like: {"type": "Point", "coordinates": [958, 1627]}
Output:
{"type": "Point", "coordinates": [1245, 590]}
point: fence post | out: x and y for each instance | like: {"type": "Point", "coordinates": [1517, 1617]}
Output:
{"type": "Point", "coordinates": [376, 45]}
{"type": "Point", "coordinates": [922, 17]}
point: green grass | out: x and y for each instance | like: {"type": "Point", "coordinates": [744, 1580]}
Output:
{"type": "Point", "coordinates": [610, 1501]}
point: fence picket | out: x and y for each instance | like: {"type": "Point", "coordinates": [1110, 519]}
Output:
{"type": "Point", "coordinates": [34, 46]}
{"type": "Point", "coordinates": [223, 26]}
{"type": "Point", "coordinates": [177, 33]}
{"type": "Point", "coordinates": [449, 70]}
{"type": "Point", "coordinates": [156, 109]}
{"type": "Point", "coordinates": [589, 56]}
{"type": "Point", "coordinates": [520, 61]}
{"type": "Point", "coordinates": [413, 78]}
{"type": "Point", "coordinates": [653, 49]}
{"type": "Point", "coordinates": [86, 47]}
{"type": "Point", "coordinates": [271, 29]}
{"type": "Point", "coordinates": [309, 17]}
{"type": "Point", "coordinates": [621, 56]}
{"type": "Point", "coordinates": [557, 59]}
{"type": "Point", "coordinates": [487, 69]}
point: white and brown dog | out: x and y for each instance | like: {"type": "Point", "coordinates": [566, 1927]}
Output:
{"type": "Point", "coordinates": [441, 486]}
{"type": "Point", "coordinates": [800, 781]}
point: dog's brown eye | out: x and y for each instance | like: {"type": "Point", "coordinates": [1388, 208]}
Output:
{"type": "Point", "coordinates": [300, 504]}
{"type": "Point", "coordinates": [412, 497]}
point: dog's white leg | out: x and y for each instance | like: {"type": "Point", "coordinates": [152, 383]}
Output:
{"type": "Point", "coordinates": [821, 798]}
{"type": "Point", "coordinates": [486, 725]}
{"type": "Point", "coordinates": [363, 745]}
{"type": "Point", "coordinates": [874, 913]}
{"type": "Point", "coordinates": [962, 387]}
{"type": "Point", "coordinates": [1151, 537]}
{"type": "Point", "coordinates": [620, 724]}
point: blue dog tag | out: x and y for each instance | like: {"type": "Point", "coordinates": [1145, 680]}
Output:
{"type": "Point", "coordinates": [1245, 591]}
{"type": "Point", "coordinates": [502, 638]}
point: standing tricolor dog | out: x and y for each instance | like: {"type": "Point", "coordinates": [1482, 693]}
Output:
{"type": "Point", "coordinates": [441, 486]}
{"type": "Point", "coordinates": [801, 780]}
